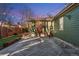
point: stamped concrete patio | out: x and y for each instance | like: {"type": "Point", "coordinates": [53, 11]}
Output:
{"type": "Point", "coordinates": [40, 47]}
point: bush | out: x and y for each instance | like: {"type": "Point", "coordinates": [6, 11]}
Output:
{"type": "Point", "coordinates": [25, 30]}
{"type": "Point", "coordinates": [15, 34]}
{"type": "Point", "coordinates": [0, 36]}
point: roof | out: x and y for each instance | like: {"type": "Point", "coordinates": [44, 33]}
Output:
{"type": "Point", "coordinates": [67, 9]}
{"type": "Point", "coordinates": [42, 19]}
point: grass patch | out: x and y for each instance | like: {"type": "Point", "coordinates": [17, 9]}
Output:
{"type": "Point", "coordinates": [8, 39]}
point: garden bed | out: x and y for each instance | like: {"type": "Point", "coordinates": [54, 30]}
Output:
{"type": "Point", "coordinates": [4, 42]}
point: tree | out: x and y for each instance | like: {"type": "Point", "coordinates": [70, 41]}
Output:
{"type": "Point", "coordinates": [4, 13]}
{"type": "Point", "coordinates": [27, 14]}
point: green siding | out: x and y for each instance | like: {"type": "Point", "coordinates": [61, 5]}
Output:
{"type": "Point", "coordinates": [71, 27]}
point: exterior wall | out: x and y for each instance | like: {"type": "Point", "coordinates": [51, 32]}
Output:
{"type": "Point", "coordinates": [71, 27]}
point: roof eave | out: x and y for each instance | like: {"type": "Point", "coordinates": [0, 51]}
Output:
{"type": "Point", "coordinates": [67, 9]}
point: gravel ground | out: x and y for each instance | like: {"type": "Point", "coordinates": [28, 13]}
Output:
{"type": "Point", "coordinates": [40, 47]}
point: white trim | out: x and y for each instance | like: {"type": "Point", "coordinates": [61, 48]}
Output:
{"type": "Point", "coordinates": [61, 23]}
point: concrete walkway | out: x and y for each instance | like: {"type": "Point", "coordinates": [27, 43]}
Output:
{"type": "Point", "coordinates": [40, 47]}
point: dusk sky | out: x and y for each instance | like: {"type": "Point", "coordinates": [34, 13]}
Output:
{"type": "Point", "coordinates": [38, 9]}
{"type": "Point", "coordinates": [46, 8]}
{"type": "Point", "coordinates": [41, 9]}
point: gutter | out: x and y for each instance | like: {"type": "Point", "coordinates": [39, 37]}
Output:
{"type": "Point", "coordinates": [67, 9]}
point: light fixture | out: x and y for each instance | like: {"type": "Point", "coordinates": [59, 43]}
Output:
{"type": "Point", "coordinates": [68, 16]}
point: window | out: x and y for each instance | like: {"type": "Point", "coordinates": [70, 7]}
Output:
{"type": "Point", "coordinates": [49, 24]}
{"type": "Point", "coordinates": [53, 24]}
{"type": "Point", "coordinates": [61, 23]}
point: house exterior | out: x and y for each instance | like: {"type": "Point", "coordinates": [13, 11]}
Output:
{"type": "Point", "coordinates": [45, 22]}
{"type": "Point", "coordinates": [66, 24]}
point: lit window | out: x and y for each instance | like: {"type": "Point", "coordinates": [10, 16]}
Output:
{"type": "Point", "coordinates": [61, 23]}
{"type": "Point", "coordinates": [53, 24]}
{"type": "Point", "coordinates": [49, 24]}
